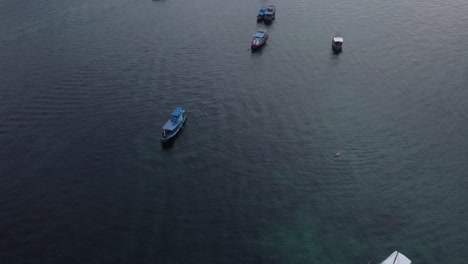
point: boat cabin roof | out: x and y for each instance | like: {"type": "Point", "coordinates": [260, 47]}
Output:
{"type": "Point", "coordinates": [262, 10]}
{"type": "Point", "coordinates": [270, 10]}
{"type": "Point", "coordinates": [177, 111]}
{"type": "Point", "coordinates": [397, 257]}
{"type": "Point", "coordinates": [338, 39]}
{"type": "Point", "coordinates": [260, 33]}
{"type": "Point", "coordinates": [172, 123]}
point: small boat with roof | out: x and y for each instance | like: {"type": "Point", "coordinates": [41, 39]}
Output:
{"type": "Point", "coordinates": [173, 125]}
{"type": "Point", "coordinates": [270, 14]}
{"type": "Point", "coordinates": [260, 14]}
{"type": "Point", "coordinates": [259, 39]}
{"type": "Point", "coordinates": [337, 43]}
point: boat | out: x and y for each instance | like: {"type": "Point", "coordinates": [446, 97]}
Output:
{"type": "Point", "coordinates": [270, 13]}
{"type": "Point", "coordinates": [173, 125]}
{"type": "Point", "coordinates": [261, 13]}
{"type": "Point", "coordinates": [337, 43]}
{"type": "Point", "coordinates": [259, 39]}
{"type": "Point", "coordinates": [397, 258]}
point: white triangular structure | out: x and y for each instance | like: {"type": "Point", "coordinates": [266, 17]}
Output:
{"type": "Point", "coordinates": [397, 258]}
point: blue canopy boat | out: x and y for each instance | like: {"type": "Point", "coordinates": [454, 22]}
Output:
{"type": "Point", "coordinates": [173, 125]}
{"type": "Point", "coordinates": [260, 14]}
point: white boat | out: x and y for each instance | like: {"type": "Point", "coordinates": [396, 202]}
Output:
{"type": "Point", "coordinates": [397, 258]}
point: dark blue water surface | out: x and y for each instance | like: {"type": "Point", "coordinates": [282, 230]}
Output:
{"type": "Point", "coordinates": [85, 87]}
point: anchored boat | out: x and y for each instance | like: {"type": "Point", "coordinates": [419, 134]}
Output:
{"type": "Point", "coordinates": [259, 39]}
{"type": "Point", "coordinates": [270, 14]}
{"type": "Point", "coordinates": [337, 43]}
{"type": "Point", "coordinates": [261, 13]}
{"type": "Point", "coordinates": [173, 125]}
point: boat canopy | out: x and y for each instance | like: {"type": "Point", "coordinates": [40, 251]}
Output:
{"type": "Point", "coordinates": [259, 33]}
{"type": "Point", "coordinates": [172, 123]}
{"type": "Point", "coordinates": [397, 258]}
{"type": "Point", "coordinates": [177, 111]}
{"type": "Point", "coordinates": [262, 11]}
{"type": "Point", "coordinates": [338, 39]}
{"type": "Point", "coordinates": [270, 10]}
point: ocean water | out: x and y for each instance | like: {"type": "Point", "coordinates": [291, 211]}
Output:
{"type": "Point", "coordinates": [85, 87]}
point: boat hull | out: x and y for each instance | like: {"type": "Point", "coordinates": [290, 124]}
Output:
{"type": "Point", "coordinates": [175, 133]}
{"type": "Point", "coordinates": [256, 47]}
{"type": "Point", "coordinates": [268, 20]}
{"type": "Point", "coordinates": [337, 48]}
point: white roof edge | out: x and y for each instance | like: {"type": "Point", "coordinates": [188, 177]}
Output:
{"type": "Point", "coordinates": [400, 259]}
{"type": "Point", "coordinates": [403, 259]}
{"type": "Point", "coordinates": [338, 39]}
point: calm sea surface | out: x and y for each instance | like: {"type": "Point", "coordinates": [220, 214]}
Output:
{"type": "Point", "coordinates": [85, 87]}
